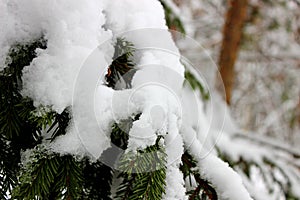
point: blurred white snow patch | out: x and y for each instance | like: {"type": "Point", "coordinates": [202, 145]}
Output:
{"type": "Point", "coordinates": [194, 116]}
{"type": "Point", "coordinates": [236, 149]}
{"type": "Point", "coordinates": [219, 114]}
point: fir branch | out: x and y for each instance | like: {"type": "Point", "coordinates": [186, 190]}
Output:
{"type": "Point", "coordinates": [60, 124]}
{"type": "Point", "coordinates": [17, 132]}
{"type": "Point", "coordinates": [173, 21]}
{"type": "Point", "coordinates": [97, 181]}
{"type": "Point", "coordinates": [8, 167]}
{"type": "Point", "coordinates": [188, 168]}
{"type": "Point", "coordinates": [21, 55]}
{"type": "Point", "coordinates": [121, 71]}
{"type": "Point", "coordinates": [196, 84]}
{"type": "Point", "coordinates": [144, 174]}
{"type": "Point", "coordinates": [14, 109]}
{"type": "Point", "coordinates": [195, 194]}
{"type": "Point", "coordinates": [37, 176]}
{"type": "Point", "coordinates": [43, 116]}
{"type": "Point", "coordinates": [98, 176]}
{"type": "Point", "coordinates": [49, 176]}
{"type": "Point", "coordinates": [119, 134]}
{"type": "Point", "coordinates": [69, 179]}
{"type": "Point", "coordinates": [123, 48]}
{"type": "Point", "coordinates": [120, 137]}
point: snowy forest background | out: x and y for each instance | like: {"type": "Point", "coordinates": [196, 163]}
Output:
{"type": "Point", "coordinates": [92, 94]}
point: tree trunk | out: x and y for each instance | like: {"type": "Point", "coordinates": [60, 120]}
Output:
{"type": "Point", "coordinates": [232, 33]}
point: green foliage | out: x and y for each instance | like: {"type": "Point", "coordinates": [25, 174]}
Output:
{"type": "Point", "coordinates": [60, 122]}
{"type": "Point", "coordinates": [204, 190]}
{"type": "Point", "coordinates": [42, 116]}
{"type": "Point", "coordinates": [121, 69]}
{"type": "Point", "coordinates": [17, 131]}
{"type": "Point", "coordinates": [69, 179]}
{"type": "Point", "coordinates": [19, 56]}
{"type": "Point", "coordinates": [37, 176]}
{"type": "Point", "coordinates": [49, 175]}
{"type": "Point", "coordinates": [98, 176]}
{"type": "Point", "coordinates": [14, 109]}
{"type": "Point", "coordinates": [143, 173]}
{"type": "Point", "coordinates": [173, 21]}
{"type": "Point", "coordinates": [21, 128]}
{"type": "Point", "coordinates": [273, 25]}
{"type": "Point", "coordinates": [196, 84]}
{"type": "Point", "coordinates": [119, 137]}
{"type": "Point", "coordinates": [123, 48]}
{"type": "Point", "coordinates": [97, 180]}
{"type": "Point", "coordinates": [8, 167]}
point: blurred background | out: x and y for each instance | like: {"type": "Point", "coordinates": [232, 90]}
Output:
{"type": "Point", "coordinates": [250, 51]}
{"type": "Point", "coordinates": [256, 45]}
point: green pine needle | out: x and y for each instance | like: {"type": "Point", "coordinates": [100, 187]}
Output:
{"type": "Point", "coordinates": [37, 176]}
{"type": "Point", "coordinates": [173, 21]}
{"type": "Point", "coordinates": [204, 190]}
{"type": "Point", "coordinates": [196, 84]}
{"type": "Point", "coordinates": [69, 179]}
{"type": "Point", "coordinates": [17, 132]}
{"type": "Point", "coordinates": [97, 180]}
{"type": "Point", "coordinates": [121, 69]}
{"type": "Point", "coordinates": [143, 174]}
{"type": "Point", "coordinates": [49, 175]}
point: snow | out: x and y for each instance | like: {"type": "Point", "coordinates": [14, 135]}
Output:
{"type": "Point", "coordinates": [70, 72]}
{"type": "Point", "coordinates": [174, 148]}
{"type": "Point", "coordinates": [175, 189]}
{"type": "Point", "coordinates": [126, 15]}
{"type": "Point", "coordinates": [72, 30]}
{"type": "Point", "coordinates": [69, 143]}
{"type": "Point", "coordinates": [225, 180]}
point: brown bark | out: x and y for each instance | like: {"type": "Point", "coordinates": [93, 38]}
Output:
{"type": "Point", "coordinates": [232, 33]}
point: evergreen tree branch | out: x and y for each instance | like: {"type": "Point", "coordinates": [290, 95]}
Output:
{"type": "Point", "coordinates": [69, 179]}
{"type": "Point", "coordinates": [196, 84]}
{"type": "Point", "coordinates": [49, 176]}
{"type": "Point", "coordinates": [144, 174]}
{"type": "Point", "coordinates": [97, 181]}
{"type": "Point", "coordinates": [17, 132]}
{"type": "Point", "coordinates": [121, 71]}
{"type": "Point", "coordinates": [60, 123]}
{"type": "Point", "coordinates": [173, 21]}
{"type": "Point", "coordinates": [188, 168]}
{"type": "Point", "coordinates": [37, 176]}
